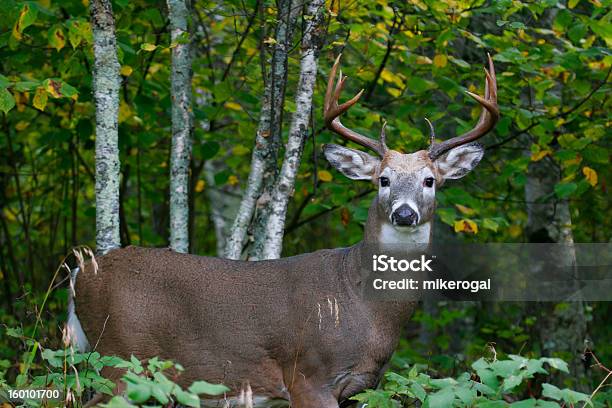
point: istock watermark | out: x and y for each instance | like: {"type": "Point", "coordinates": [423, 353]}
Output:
{"type": "Point", "coordinates": [488, 272]}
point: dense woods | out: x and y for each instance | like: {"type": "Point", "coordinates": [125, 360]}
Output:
{"type": "Point", "coordinates": [198, 126]}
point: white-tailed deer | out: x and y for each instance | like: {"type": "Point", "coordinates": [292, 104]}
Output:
{"type": "Point", "coordinates": [293, 329]}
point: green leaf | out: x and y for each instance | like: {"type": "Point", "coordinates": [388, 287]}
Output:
{"type": "Point", "coordinates": [4, 81]}
{"type": "Point", "coordinates": [68, 91]}
{"type": "Point", "coordinates": [203, 387]}
{"type": "Point", "coordinates": [23, 86]}
{"type": "Point", "coordinates": [596, 154]}
{"type": "Point", "coordinates": [27, 17]}
{"type": "Point", "coordinates": [490, 224]}
{"type": "Point", "coordinates": [466, 394]}
{"type": "Point", "coordinates": [550, 391]}
{"type": "Point", "coordinates": [138, 393]}
{"type": "Point", "coordinates": [186, 398]}
{"type": "Point", "coordinates": [530, 403]}
{"type": "Point", "coordinates": [57, 37]}
{"type": "Point", "coordinates": [7, 101]}
{"type": "Point", "coordinates": [564, 190]}
{"type": "Point", "coordinates": [118, 402]}
{"type": "Point", "coordinates": [418, 391]}
{"type": "Point", "coordinates": [556, 363]}
{"type": "Point", "coordinates": [512, 381]}
{"type": "Point", "coordinates": [442, 398]}
{"type": "Point", "coordinates": [418, 85]}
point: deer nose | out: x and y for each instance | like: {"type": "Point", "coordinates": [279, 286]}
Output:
{"type": "Point", "coordinates": [404, 215]}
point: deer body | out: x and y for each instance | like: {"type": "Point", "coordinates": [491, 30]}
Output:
{"type": "Point", "coordinates": [296, 328]}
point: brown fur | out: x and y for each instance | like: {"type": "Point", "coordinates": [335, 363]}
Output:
{"type": "Point", "coordinates": [294, 328]}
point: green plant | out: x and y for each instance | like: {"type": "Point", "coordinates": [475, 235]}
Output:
{"type": "Point", "coordinates": [489, 384]}
{"type": "Point", "coordinates": [77, 375]}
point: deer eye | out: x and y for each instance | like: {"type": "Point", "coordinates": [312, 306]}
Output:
{"type": "Point", "coordinates": [384, 182]}
{"type": "Point", "coordinates": [429, 182]}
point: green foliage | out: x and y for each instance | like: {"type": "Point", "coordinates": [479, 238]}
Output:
{"type": "Point", "coordinates": [146, 383]}
{"type": "Point", "coordinates": [497, 383]}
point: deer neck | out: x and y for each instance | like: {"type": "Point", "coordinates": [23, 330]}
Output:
{"type": "Point", "coordinates": [380, 235]}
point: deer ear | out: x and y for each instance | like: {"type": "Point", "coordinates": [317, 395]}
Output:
{"type": "Point", "coordinates": [459, 161]}
{"type": "Point", "coordinates": [354, 164]}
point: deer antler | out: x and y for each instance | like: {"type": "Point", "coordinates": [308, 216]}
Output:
{"type": "Point", "coordinates": [486, 122]}
{"type": "Point", "coordinates": [332, 112]}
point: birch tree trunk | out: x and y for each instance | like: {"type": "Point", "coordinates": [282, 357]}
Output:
{"type": "Point", "coordinates": [106, 84]}
{"type": "Point", "coordinates": [312, 41]}
{"type": "Point", "coordinates": [182, 124]}
{"type": "Point", "coordinates": [265, 150]}
{"type": "Point", "coordinates": [286, 27]}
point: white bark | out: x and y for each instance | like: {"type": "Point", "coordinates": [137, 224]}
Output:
{"type": "Point", "coordinates": [182, 124]}
{"type": "Point", "coordinates": [247, 206]}
{"type": "Point", "coordinates": [264, 156]}
{"type": "Point", "coordinates": [106, 84]}
{"type": "Point", "coordinates": [311, 44]}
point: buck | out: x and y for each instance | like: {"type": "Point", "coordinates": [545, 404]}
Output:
{"type": "Point", "coordinates": [293, 329]}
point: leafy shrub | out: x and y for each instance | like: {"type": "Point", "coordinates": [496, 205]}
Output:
{"type": "Point", "coordinates": [78, 375]}
{"type": "Point", "coordinates": [490, 384]}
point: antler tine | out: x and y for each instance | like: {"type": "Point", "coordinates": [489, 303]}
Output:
{"type": "Point", "coordinates": [432, 133]}
{"type": "Point", "coordinates": [383, 137]}
{"type": "Point", "coordinates": [487, 120]}
{"type": "Point", "coordinates": [332, 112]}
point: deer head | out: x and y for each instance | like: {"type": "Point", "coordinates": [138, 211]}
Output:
{"type": "Point", "coordinates": [407, 182]}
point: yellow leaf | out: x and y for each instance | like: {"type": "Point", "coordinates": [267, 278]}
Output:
{"type": "Point", "coordinates": [125, 112]}
{"type": "Point", "coordinates": [539, 155]}
{"type": "Point", "coordinates": [21, 99]}
{"type": "Point", "coordinates": [240, 150]}
{"type": "Point", "coordinates": [40, 99]}
{"type": "Point", "coordinates": [515, 230]}
{"type": "Point", "coordinates": [148, 47]}
{"type": "Point", "coordinates": [21, 125]}
{"type": "Point", "coordinates": [126, 70]}
{"type": "Point", "coordinates": [467, 226]}
{"type": "Point", "coordinates": [53, 88]}
{"type": "Point", "coordinates": [422, 60]}
{"type": "Point", "coordinates": [233, 106]}
{"type": "Point", "coordinates": [199, 187]}
{"type": "Point", "coordinates": [269, 41]}
{"type": "Point", "coordinates": [465, 210]}
{"type": "Point", "coordinates": [324, 175]}
{"type": "Point", "coordinates": [389, 76]}
{"type": "Point", "coordinates": [590, 175]}
{"type": "Point", "coordinates": [572, 3]}
{"type": "Point", "coordinates": [440, 60]}
{"type": "Point", "coordinates": [394, 92]}
{"type": "Point", "coordinates": [232, 180]}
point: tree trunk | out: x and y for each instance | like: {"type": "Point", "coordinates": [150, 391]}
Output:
{"type": "Point", "coordinates": [106, 84]}
{"type": "Point", "coordinates": [562, 327]}
{"type": "Point", "coordinates": [312, 41]}
{"type": "Point", "coordinates": [286, 27]}
{"type": "Point", "coordinates": [267, 140]}
{"type": "Point", "coordinates": [182, 120]}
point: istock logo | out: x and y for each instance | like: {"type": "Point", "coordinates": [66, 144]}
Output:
{"type": "Point", "coordinates": [385, 263]}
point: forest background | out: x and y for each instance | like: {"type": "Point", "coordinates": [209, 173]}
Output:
{"type": "Point", "coordinates": [543, 178]}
